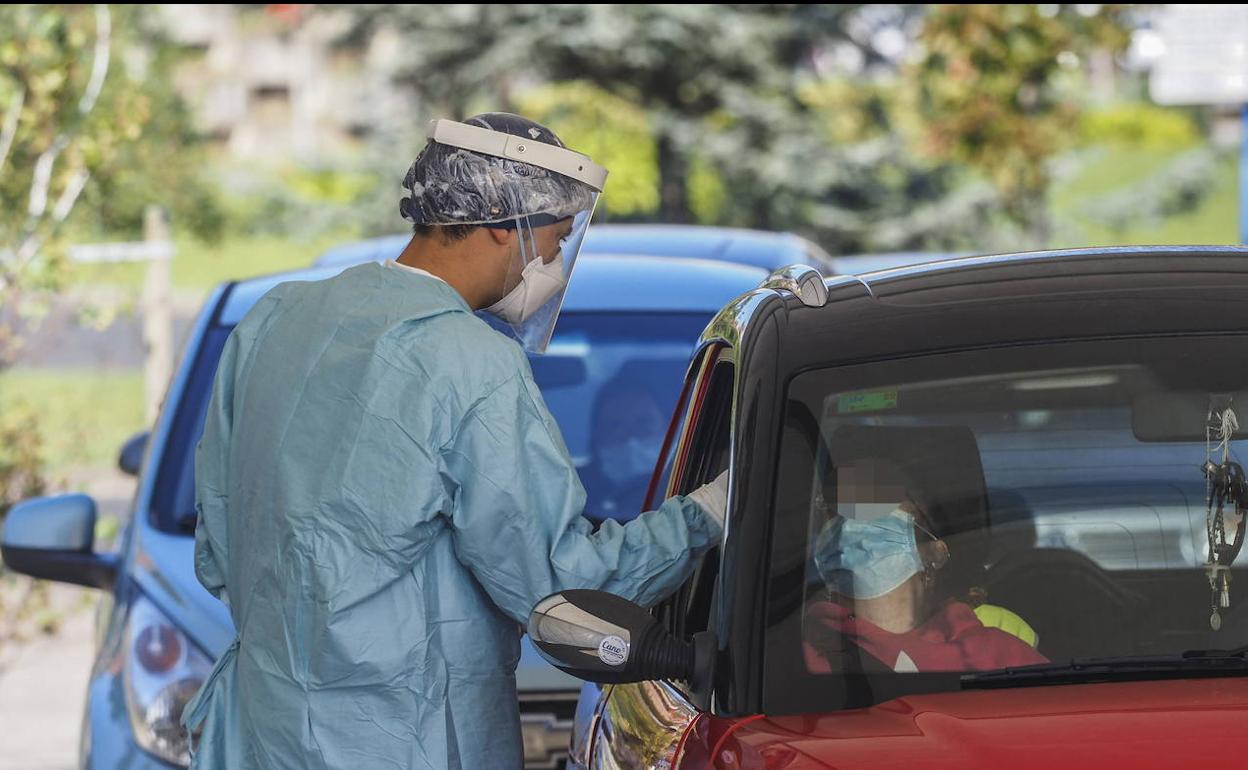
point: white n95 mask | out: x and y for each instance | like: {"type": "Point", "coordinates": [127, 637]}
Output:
{"type": "Point", "coordinates": [532, 289]}
{"type": "Point", "coordinates": [539, 283]}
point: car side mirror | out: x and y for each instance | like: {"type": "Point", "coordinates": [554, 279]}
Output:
{"type": "Point", "coordinates": [599, 637]}
{"type": "Point", "coordinates": [130, 459]}
{"type": "Point", "coordinates": [51, 538]}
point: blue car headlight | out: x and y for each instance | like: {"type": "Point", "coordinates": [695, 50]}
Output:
{"type": "Point", "coordinates": [162, 671]}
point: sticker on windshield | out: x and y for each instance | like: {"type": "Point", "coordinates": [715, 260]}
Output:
{"type": "Point", "coordinates": [613, 651]}
{"type": "Point", "coordinates": [867, 402]}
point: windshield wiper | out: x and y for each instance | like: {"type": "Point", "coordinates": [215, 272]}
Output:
{"type": "Point", "coordinates": [1236, 652]}
{"type": "Point", "coordinates": [1192, 662]}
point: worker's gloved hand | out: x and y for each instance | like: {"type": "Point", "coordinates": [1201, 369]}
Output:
{"type": "Point", "coordinates": [713, 498]}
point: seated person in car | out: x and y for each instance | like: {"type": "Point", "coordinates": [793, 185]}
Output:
{"type": "Point", "coordinates": [627, 434]}
{"type": "Point", "coordinates": [879, 571]}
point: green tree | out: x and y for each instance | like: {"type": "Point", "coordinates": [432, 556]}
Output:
{"type": "Point", "coordinates": [63, 120]}
{"type": "Point", "coordinates": [688, 67]}
{"type": "Point", "coordinates": [54, 134]}
{"type": "Point", "coordinates": [999, 89]}
{"type": "Point", "coordinates": [708, 113]}
{"type": "Point", "coordinates": [86, 115]}
{"type": "Point", "coordinates": [85, 118]}
{"type": "Point", "coordinates": [21, 465]}
{"type": "Point", "coordinates": [71, 106]}
{"type": "Point", "coordinates": [611, 130]}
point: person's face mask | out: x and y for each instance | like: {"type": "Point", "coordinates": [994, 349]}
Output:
{"type": "Point", "coordinates": [630, 459]}
{"type": "Point", "coordinates": [868, 559]}
{"type": "Point", "coordinates": [539, 282]}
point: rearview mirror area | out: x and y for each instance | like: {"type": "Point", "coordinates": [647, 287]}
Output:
{"type": "Point", "coordinates": [1182, 417]}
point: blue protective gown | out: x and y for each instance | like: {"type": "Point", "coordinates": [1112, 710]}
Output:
{"type": "Point", "coordinates": [383, 497]}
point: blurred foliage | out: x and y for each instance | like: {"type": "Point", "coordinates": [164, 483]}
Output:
{"type": "Point", "coordinates": [89, 127]}
{"type": "Point", "coordinates": [325, 185]}
{"type": "Point", "coordinates": [613, 131]}
{"type": "Point", "coordinates": [839, 170]}
{"type": "Point", "coordinates": [62, 120]}
{"type": "Point", "coordinates": [1121, 193]}
{"type": "Point", "coordinates": [686, 66]}
{"type": "Point", "coordinates": [1179, 187]}
{"type": "Point", "coordinates": [1138, 124]}
{"type": "Point", "coordinates": [85, 118]}
{"type": "Point", "coordinates": [679, 63]}
{"type": "Point", "coordinates": [21, 455]}
{"type": "Point", "coordinates": [708, 197]}
{"type": "Point", "coordinates": [852, 110]}
{"type": "Point", "coordinates": [999, 85]}
{"type": "Point", "coordinates": [720, 114]}
{"type": "Point", "coordinates": [301, 202]}
{"type": "Point", "coordinates": [75, 101]}
{"type": "Point", "coordinates": [84, 415]}
{"type": "Point", "coordinates": [169, 164]}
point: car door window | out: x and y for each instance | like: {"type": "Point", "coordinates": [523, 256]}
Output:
{"type": "Point", "coordinates": [702, 456]}
{"type": "Point", "coordinates": [677, 444]}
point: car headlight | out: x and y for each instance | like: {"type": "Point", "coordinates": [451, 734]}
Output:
{"type": "Point", "coordinates": [162, 672]}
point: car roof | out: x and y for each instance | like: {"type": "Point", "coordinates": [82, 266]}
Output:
{"type": "Point", "coordinates": [861, 264]}
{"type": "Point", "coordinates": [601, 283]}
{"type": "Point", "coordinates": [760, 248]}
{"type": "Point", "coordinates": [368, 250]}
{"type": "Point", "coordinates": [1012, 299]}
{"type": "Point", "coordinates": [756, 248]}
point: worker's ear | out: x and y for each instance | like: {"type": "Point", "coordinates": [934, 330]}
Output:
{"type": "Point", "coordinates": [500, 235]}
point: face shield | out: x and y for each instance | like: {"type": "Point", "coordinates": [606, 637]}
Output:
{"type": "Point", "coordinates": [527, 182]}
{"type": "Point", "coordinates": [537, 279]}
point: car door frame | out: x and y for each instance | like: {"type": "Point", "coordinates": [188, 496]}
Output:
{"type": "Point", "coordinates": [748, 334]}
{"type": "Point", "coordinates": [676, 709]}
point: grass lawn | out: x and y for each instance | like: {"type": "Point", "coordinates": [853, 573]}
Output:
{"type": "Point", "coordinates": [1112, 169]}
{"type": "Point", "coordinates": [85, 415]}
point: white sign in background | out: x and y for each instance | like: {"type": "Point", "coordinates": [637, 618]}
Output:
{"type": "Point", "coordinates": [1203, 57]}
{"type": "Point", "coordinates": [138, 251]}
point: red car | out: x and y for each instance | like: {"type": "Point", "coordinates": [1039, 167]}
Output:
{"type": "Point", "coordinates": [983, 513]}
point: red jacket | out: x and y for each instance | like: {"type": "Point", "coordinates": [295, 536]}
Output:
{"type": "Point", "coordinates": [952, 639]}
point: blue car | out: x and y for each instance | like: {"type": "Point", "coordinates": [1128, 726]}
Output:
{"type": "Point", "coordinates": [757, 248]}
{"type": "Point", "coordinates": [612, 378]}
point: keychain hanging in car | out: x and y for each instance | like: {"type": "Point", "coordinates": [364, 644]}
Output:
{"type": "Point", "coordinates": [1226, 485]}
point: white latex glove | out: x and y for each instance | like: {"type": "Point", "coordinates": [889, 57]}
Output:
{"type": "Point", "coordinates": [713, 498]}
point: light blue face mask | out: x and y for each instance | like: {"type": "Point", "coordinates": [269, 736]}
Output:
{"type": "Point", "coordinates": [630, 459]}
{"type": "Point", "coordinates": [865, 559]}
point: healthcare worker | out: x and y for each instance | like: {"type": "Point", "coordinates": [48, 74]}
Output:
{"type": "Point", "coordinates": [383, 496]}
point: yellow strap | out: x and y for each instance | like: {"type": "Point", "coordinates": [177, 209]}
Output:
{"type": "Point", "coordinates": [993, 616]}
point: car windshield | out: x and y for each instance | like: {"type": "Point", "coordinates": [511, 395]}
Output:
{"type": "Point", "coordinates": [611, 381]}
{"type": "Point", "coordinates": [982, 511]}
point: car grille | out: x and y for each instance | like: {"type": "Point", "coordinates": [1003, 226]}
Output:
{"type": "Point", "coordinates": [546, 726]}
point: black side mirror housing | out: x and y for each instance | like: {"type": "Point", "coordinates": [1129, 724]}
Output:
{"type": "Point", "coordinates": [130, 459]}
{"type": "Point", "coordinates": [599, 637]}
